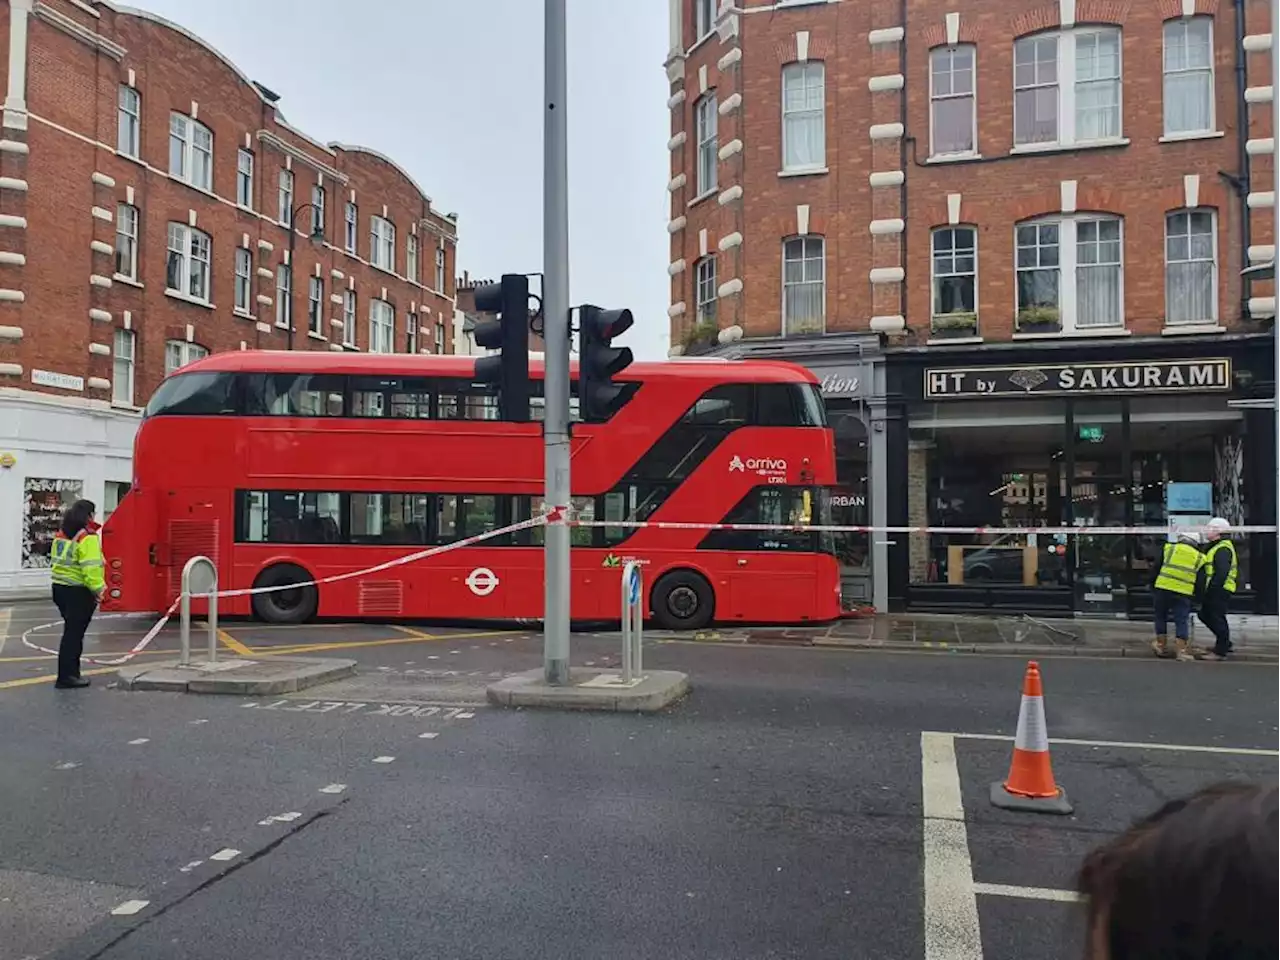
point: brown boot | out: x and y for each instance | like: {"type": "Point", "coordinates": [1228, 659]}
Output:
{"type": "Point", "coordinates": [1160, 646]}
{"type": "Point", "coordinates": [1186, 652]}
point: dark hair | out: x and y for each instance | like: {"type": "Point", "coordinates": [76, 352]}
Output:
{"type": "Point", "coordinates": [1196, 880]}
{"type": "Point", "coordinates": [77, 517]}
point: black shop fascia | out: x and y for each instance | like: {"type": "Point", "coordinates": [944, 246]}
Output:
{"type": "Point", "coordinates": [1076, 434]}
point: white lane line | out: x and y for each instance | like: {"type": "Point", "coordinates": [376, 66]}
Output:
{"type": "Point", "coordinates": [129, 908]}
{"type": "Point", "coordinates": [334, 788]}
{"type": "Point", "coordinates": [195, 722]}
{"type": "Point", "coordinates": [66, 765]}
{"type": "Point", "coordinates": [951, 930]}
{"type": "Point", "coordinates": [139, 742]}
{"type": "Point", "coordinates": [226, 853]}
{"type": "Point", "coordinates": [465, 716]}
{"type": "Point", "coordinates": [279, 818]}
{"type": "Point", "coordinates": [1127, 745]}
{"type": "Point", "coordinates": [383, 759]}
{"type": "Point", "coordinates": [190, 866]}
{"type": "Point", "coordinates": [5, 616]}
{"type": "Point", "coordinates": [1027, 893]}
{"type": "Point", "coordinates": [427, 736]}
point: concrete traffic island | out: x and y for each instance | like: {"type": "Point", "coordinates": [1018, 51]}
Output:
{"type": "Point", "coordinates": [238, 676]}
{"type": "Point", "coordinates": [592, 690]}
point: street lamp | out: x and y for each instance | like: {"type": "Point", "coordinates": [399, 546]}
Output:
{"type": "Point", "coordinates": [315, 236]}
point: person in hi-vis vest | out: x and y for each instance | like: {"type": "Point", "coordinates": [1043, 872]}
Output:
{"type": "Point", "coordinates": [1219, 573]}
{"type": "Point", "coordinates": [78, 584]}
{"type": "Point", "coordinates": [1171, 593]}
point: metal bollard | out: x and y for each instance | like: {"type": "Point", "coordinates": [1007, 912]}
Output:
{"type": "Point", "coordinates": [184, 628]}
{"type": "Point", "coordinates": [632, 621]}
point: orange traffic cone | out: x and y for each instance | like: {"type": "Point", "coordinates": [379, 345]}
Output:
{"type": "Point", "coordinates": [1030, 785]}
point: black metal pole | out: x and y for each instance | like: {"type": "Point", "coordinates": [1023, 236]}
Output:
{"type": "Point", "coordinates": [293, 241]}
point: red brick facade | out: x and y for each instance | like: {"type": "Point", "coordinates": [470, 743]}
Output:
{"type": "Point", "coordinates": [877, 195]}
{"type": "Point", "coordinates": [63, 177]}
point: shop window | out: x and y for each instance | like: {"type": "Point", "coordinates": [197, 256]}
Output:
{"type": "Point", "coordinates": [1191, 268]}
{"type": "Point", "coordinates": [44, 501]}
{"type": "Point", "coordinates": [849, 506]}
{"type": "Point", "coordinates": [1070, 275]}
{"type": "Point", "coordinates": [955, 282]}
{"type": "Point", "coordinates": [804, 285]}
{"type": "Point", "coordinates": [953, 123]}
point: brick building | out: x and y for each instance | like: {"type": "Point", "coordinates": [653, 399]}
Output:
{"type": "Point", "coordinates": [146, 187]}
{"type": "Point", "coordinates": [1011, 239]}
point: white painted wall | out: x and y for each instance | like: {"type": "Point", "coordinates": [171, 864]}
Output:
{"type": "Point", "coordinates": [57, 438]}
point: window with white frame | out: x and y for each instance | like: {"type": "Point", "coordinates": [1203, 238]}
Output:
{"type": "Point", "coordinates": [190, 151]}
{"type": "Point", "coordinates": [129, 122]}
{"type": "Point", "coordinates": [439, 287]}
{"type": "Point", "coordinates": [318, 217]}
{"type": "Point", "coordinates": [382, 243]}
{"type": "Point", "coordinates": [285, 198]}
{"type": "Point", "coordinates": [382, 327]}
{"type": "Point", "coordinates": [955, 274]}
{"type": "Point", "coordinates": [705, 274]}
{"type": "Point", "coordinates": [188, 263]}
{"type": "Point", "coordinates": [705, 120]}
{"type": "Point", "coordinates": [178, 353]}
{"type": "Point", "coordinates": [1067, 87]}
{"type": "Point", "coordinates": [953, 122]}
{"type": "Point", "coordinates": [704, 17]}
{"type": "Point", "coordinates": [127, 240]}
{"type": "Point", "coordinates": [439, 336]}
{"type": "Point", "coordinates": [804, 122]}
{"type": "Point", "coordinates": [411, 333]}
{"type": "Point", "coordinates": [411, 258]}
{"type": "Point", "coordinates": [804, 285]}
{"type": "Point", "coordinates": [1070, 274]}
{"type": "Point", "coordinates": [284, 295]}
{"type": "Point", "coordinates": [244, 279]}
{"type": "Point", "coordinates": [348, 317]}
{"type": "Point", "coordinates": [1191, 267]}
{"type": "Point", "coordinates": [1188, 76]}
{"type": "Point", "coordinates": [244, 178]}
{"type": "Point", "coordinates": [352, 216]}
{"type": "Point", "coordinates": [315, 306]}
{"type": "Point", "coordinates": [122, 368]}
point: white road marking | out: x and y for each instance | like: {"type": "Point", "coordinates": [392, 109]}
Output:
{"type": "Point", "coordinates": [194, 722]}
{"type": "Point", "coordinates": [5, 616]}
{"type": "Point", "coordinates": [951, 930]}
{"type": "Point", "coordinates": [334, 788]}
{"type": "Point", "coordinates": [129, 908]}
{"type": "Point", "coordinates": [139, 742]}
{"type": "Point", "coordinates": [1027, 893]}
{"type": "Point", "coordinates": [427, 736]}
{"type": "Point", "coordinates": [465, 716]}
{"type": "Point", "coordinates": [279, 818]}
{"type": "Point", "coordinates": [226, 853]}
{"type": "Point", "coordinates": [190, 866]}
{"type": "Point", "coordinates": [1127, 745]}
{"type": "Point", "coordinates": [66, 765]}
{"type": "Point", "coordinates": [383, 759]}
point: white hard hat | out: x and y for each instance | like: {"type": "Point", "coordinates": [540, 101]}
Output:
{"type": "Point", "coordinates": [1190, 536]}
{"type": "Point", "coordinates": [1217, 523]}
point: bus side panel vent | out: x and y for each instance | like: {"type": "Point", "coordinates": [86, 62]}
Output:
{"type": "Point", "coordinates": [381, 598]}
{"type": "Point", "coordinates": [187, 539]}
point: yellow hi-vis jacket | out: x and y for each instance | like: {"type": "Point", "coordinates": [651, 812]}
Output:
{"type": "Point", "coordinates": [1229, 584]}
{"type": "Point", "coordinates": [77, 562]}
{"type": "Point", "coordinates": [1178, 570]}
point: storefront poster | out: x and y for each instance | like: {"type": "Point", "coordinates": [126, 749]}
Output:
{"type": "Point", "coordinates": [1188, 506]}
{"type": "Point", "coordinates": [43, 503]}
{"type": "Point", "coordinates": [1079, 379]}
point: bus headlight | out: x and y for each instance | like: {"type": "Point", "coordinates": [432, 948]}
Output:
{"type": "Point", "coordinates": [115, 594]}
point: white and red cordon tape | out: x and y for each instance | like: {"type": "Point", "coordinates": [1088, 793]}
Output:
{"type": "Point", "coordinates": [563, 515]}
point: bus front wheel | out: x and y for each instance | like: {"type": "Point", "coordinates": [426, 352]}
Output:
{"type": "Point", "coordinates": [296, 605]}
{"type": "Point", "coordinates": [683, 600]}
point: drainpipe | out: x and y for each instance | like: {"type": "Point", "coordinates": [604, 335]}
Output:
{"type": "Point", "coordinates": [902, 160]}
{"type": "Point", "coordinates": [1244, 180]}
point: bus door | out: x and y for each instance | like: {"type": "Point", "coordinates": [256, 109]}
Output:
{"type": "Point", "coordinates": [771, 572]}
{"type": "Point", "coordinates": [190, 525]}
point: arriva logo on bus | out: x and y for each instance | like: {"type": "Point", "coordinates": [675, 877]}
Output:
{"type": "Point", "coordinates": [774, 469]}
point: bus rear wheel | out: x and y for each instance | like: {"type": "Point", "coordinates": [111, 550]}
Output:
{"type": "Point", "coordinates": [297, 605]}
{"type": "Point", "coordinates": [682, 600]}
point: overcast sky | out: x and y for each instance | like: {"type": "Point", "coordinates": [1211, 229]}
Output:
{"type": "Point", "coordinates": [452, 91]}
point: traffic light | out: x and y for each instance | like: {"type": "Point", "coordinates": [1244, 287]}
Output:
{"type": "Point", "coordinates": [599, 361]}
{"type": "Point", "coordinates": [508, 370]}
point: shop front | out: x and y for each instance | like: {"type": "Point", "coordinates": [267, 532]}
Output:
{"type": "Point", "coordinates": [1080, 436]}
{"type": "Point", "coordinates": [851, 372]}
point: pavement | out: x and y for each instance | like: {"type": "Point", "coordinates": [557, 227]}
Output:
{"type": "Point", "coordinates": [804, 800]}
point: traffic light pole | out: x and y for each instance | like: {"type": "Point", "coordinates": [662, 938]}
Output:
{"type": "Point", "coordinates": [555, 301]}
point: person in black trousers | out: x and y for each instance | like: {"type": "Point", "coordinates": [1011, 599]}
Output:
{"type": "Point", "coordinates": [1217, 582]}
{"type": "Point", "coordinates": [78, 583]}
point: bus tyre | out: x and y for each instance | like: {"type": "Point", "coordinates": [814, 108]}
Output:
{"type": "Point", "coordinates": [285, 606]}
{"type": "Point", "coordinates": [683, 600]}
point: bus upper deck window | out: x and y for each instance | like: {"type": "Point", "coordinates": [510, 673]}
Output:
{"type": "Point", "coordinates": [194, 395]}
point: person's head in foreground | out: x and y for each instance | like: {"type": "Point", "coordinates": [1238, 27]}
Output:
{"type": "Point", "coordinates": [1196, 880]}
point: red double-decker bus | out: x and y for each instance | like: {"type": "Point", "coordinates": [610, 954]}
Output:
{"type": "Point", "coordinates": [292, 467]}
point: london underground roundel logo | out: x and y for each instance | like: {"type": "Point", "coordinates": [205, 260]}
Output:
{"type": "Point", "coordinates": [482, 581]}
